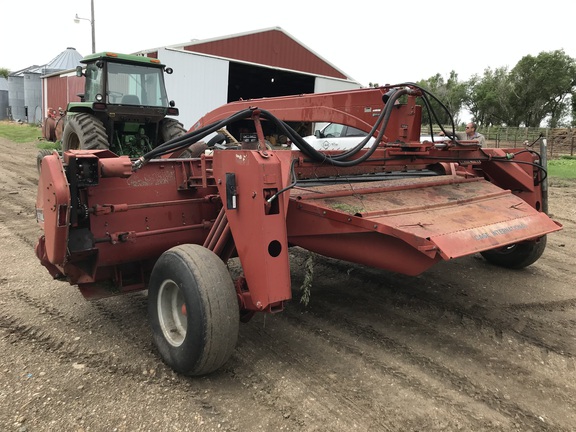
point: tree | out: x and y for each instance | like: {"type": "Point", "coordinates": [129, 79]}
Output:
{"type": "Point", "coordinates": [451, 93]}
{"type": "Point", "coordinates": [488, 97]}
{"type": "Point", "coordinates": [538, 89]}
{"type": "Point", "coordinates": [541, 88]}
{"type": "Point", "coordinates": [4, 72]}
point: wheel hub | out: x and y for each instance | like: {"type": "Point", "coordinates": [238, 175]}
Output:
{"type": "Point", "coordinates": [172, 313]}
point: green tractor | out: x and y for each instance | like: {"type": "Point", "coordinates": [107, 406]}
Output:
{"type": "Point", "coordinates": [123, 108]}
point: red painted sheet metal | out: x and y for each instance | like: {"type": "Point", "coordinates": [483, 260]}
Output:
{"type": "Point", "coordinates": [62, 89]}
{"type": "Point", "coordinates": [151, 209]}
{"type": "Point", "coordinates": [246, 181]}
{"type": "Point", "coordinates": [53, 208]}
{"type": "Point", "coordinates": [273, 48]}
{"type": "Point", "coordinates": [444, 215]}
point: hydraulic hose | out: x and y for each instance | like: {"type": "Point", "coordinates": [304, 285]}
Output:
{"type": "Point", "coordinates": [339, 160]}
{"type": "Point", "coordinates": [318, 156]}
{"type": "Point", "coordinates": [189, 138]}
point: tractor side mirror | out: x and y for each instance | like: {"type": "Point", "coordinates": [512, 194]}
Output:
{"type": "Point", "coordinates": [169, 70]}
{"type": "Point", "coordinates": [318, 134]}
{"type": "Point", "coordinates": [79, 72]}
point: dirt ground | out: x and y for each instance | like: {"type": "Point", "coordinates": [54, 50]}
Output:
{"type": "Point", "coordinates": [466, 346]}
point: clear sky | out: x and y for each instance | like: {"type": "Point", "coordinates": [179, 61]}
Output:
{"type": "Point", "coordinates": [370, 40]}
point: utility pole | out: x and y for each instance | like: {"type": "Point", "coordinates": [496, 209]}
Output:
{"type": "Point", "coordinates": [91, 20]}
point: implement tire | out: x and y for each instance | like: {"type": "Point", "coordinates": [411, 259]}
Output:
{"type": "Point", "coordinates": [41, 155]}
{"type": "Point", "coordinates": [516, 256]}
{"type": "Point", "coordinates": [193, 310]}
{"type": "Point", "coordinates": [84, 132]}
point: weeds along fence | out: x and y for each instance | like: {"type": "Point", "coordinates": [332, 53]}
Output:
{"type": "Point", "coordinates": [561, 141]}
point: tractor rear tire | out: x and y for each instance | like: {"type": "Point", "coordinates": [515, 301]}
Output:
{"type": "Point", "coordinates": [84, 132]}
{"type": "Point", "coordinates": [193, 310]}
{"type": "Point", "coordinates": [169, 129]}
{"type": "Point", "coordinates": [516, 256]}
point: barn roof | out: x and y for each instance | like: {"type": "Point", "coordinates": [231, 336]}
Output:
{"type": "Point", "coordinates": [270, 46]}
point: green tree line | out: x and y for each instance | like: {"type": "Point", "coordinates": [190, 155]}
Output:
{"type": "Point", "coordinates": [540, 91]}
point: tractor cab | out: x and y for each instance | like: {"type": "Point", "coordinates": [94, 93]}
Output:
{"type": "Point", "coordinates": [124, 104]}
{"type": "Point", "coordinates": [124, 80]}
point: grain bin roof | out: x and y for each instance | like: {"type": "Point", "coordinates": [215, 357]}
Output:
{"type": "Point", "coordinates": [67, 59]}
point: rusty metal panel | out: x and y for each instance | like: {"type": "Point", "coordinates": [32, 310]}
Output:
{"type": "Point", "coordinates": [444, 216]}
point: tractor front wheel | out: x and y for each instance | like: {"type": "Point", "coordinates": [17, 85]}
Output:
{"type": "Point", "coordinates": [193, 310]}
{"type": "Point", "coordinates": [518, 255]}
{"type": "Point", "coordinates": [84, 132]}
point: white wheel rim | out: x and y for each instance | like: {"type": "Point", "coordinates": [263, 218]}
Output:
{"type": "Point", "coordinates": [172, 313]}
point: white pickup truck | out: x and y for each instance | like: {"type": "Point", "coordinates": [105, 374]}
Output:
{"type": "Point", "coordinates": [335, 136]}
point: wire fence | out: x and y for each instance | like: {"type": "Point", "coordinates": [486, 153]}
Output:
{"type": "Point", "coordinates": [561, 141]}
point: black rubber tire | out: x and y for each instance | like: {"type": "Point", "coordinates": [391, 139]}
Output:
{"type": "Point", "coordinates": [41, 154]}
{"type": "Point", "coordinates": [219, 138]}
{"type": "Point", "coordinates": [84, 132]}
{"type": "Point", "coordinates": [203, 338]}
{"type": "Point", "coordinates": [516, 256]}
{"type": "Point", "coordinates": [169, 129]}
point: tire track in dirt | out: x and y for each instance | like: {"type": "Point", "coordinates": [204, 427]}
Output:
{"type": "Point", "coordinates": [112, 358]}
{"type": "Point", "coordinates": [547, 306]}
{"type": "Point", "coordinates": [123, 328]}
{"type": "Point", "coordinates": [54, 350]}
{"type": "Point", "coordinates": [126, 326]}
{"type": "Point", "coordinates": [499, 319]}
{"type": "Point", "coordinates": [50, 336]}
{"type": "Point", "coordinates": [378, 299]}
{"type": "Point", "coordinates": [286, 379]}
{"type": "Point", "coordinates": [129, 324]}
{"type": "Point", "coordinates": [21, 331]}
{"type": "Point", "coordinates": [460, 383]}
{"type": "Point", "coordinates": [397, 339]}
{"type": "Point", "coordinates": [25, 231]}
{"type": "Point", "coordinates": [352, 407]}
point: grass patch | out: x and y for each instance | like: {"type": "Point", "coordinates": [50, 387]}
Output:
{"type": "Point", "coordinates": [49, 145]}
{"type": "Point", "coordinates": [20, 132]}
{"type": "Point", "coordinates": [25, 133]}
{"type": "Point", "coordinates": [564, 168]}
